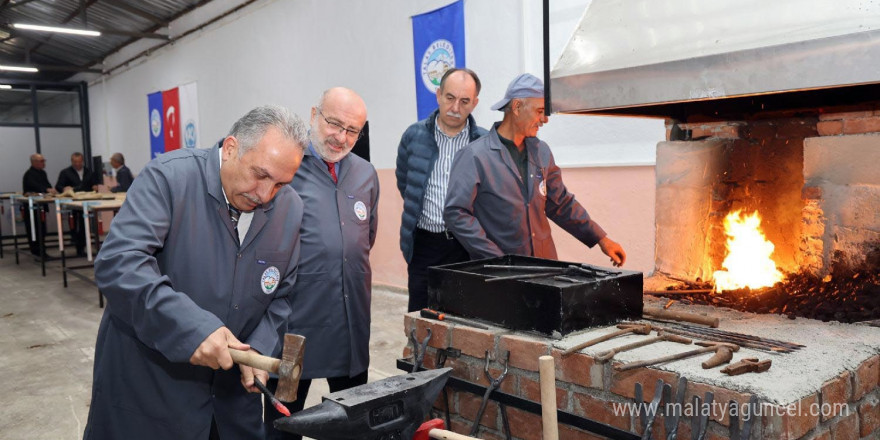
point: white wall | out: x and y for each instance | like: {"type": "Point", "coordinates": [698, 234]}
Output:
{"type": "Point", "coordinates": [286, 52]}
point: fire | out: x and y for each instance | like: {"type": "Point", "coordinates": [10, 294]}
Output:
{"type": "Point", "coordinates": [748, 261]}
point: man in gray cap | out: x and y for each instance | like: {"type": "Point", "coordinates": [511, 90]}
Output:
{"type": "Point", "coordinates": [505, 185]}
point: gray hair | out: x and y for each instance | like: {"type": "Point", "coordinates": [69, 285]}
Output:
{"type": "Point", "coordinates": [252, 126]}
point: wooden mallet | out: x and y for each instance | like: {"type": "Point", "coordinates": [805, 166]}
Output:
{"type": "Point", "coordinates": [288, 368]}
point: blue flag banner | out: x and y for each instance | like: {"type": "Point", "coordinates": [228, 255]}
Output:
{"type": "Point", "coordinates": [157, 137]}
{"type": "Point", "coordinates": [438, 45]}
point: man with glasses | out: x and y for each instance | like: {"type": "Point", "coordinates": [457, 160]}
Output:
{"type": "Point", "coordinates": [330, 302]}
{"type": "Point", "coordinates": [424, 158]}
{"type": "Point", "coordinates": [35, 181]}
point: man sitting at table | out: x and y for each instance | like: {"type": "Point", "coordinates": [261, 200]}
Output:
{"type": "Point", "coordinates": [77, 177]}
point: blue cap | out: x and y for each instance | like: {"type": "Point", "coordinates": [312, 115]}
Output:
{"type": "Point", "coordinates": [523, 86]}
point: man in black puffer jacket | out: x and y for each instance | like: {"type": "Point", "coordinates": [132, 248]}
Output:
{"type": "Point", "coordinates": [424, 158]}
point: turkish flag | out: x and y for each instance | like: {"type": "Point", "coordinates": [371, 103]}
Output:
{"type": "Point", "coordinates": [171, 112]}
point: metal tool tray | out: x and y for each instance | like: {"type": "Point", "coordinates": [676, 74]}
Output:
{"type": "Point", "coordinates": [545, 305]}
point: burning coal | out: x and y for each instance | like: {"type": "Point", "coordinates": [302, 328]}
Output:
{"type": "Point", "coordinates": [748, 260]}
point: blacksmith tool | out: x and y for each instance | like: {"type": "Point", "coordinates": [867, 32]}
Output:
{"type": "Point", "coordinates": [391, 408]}
{"type": "Point", "coordinates": [278, 405]}
{"type": "Point", "coordinates": [525, 268]}
{"type": "Point", "coordinates": [649, 413]}
{"type": "Point", "coordinates": [700, 418]}
{"type": "Point", "coordinates": [527, 276]}
{"type": "Point", "coordinates": [737, 432]}
{"type": "Point", "coordinates": [418, 349]}
{"type": "Point", "coordinates": [672, 412]}
{"type": "Point", "coordinates": [442, 355]}
{"type": "Point", "coordinates": [433, 314]}
{"type": "Point", "coordinates": [549, 422]}
{"type": "Point", "coordinates": [494, 384]}
{"type": "Point", "coordinates": [288, 368]}
{"type": "Point", "coordinates": [606, 355]}
{"type": "Point", "coordinates": [677, 315]}
{"type": "Point", "coordinates": [625, 329]}
{"type": "Point", "coordinates": [747, 365]}
{"type": "Point", "coordinates": [723, 353]}
{"type": "Point", "coordinates": [435, 428]}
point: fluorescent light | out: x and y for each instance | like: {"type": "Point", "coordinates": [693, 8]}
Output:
{"type": "Point", "coordinates": [19, 68]}
{"type": "Point", "coordinates": [35, 27]}
{"type": "Point", "coordinates": [5, 86]}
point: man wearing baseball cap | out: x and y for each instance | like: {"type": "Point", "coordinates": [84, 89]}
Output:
{"type": "Point", "coordinates": [504, 186]}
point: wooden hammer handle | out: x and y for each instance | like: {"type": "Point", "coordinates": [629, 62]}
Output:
{"type": "Point", "coordinates": [443, 434]}
{"type": "Point", "coordinates": [675, 315]}
{"type": "Point", "coordinates": [595, 341]}
{"type": "Point", "coordinates": [255, 360]}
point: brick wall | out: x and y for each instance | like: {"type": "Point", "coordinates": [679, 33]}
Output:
{"type": "Point", "coordinates": [590, 389]}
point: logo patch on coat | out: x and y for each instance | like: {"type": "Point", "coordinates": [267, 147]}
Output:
{"type": "Point", "coordinates": [542, 188]}
{"type": "Point", "coordinates": [270, 279]}
{"type": "Point", "coordinates": [360, 210]}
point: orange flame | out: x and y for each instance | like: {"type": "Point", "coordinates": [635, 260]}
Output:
{"type": "Point", "coordinates": [748, 261]}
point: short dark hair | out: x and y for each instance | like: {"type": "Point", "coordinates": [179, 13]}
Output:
{"type": "Point", "coordinates": [77, 154]}
{"type": "Point", "coordinates": [461, 69]}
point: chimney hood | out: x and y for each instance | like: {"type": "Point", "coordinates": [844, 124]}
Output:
{"type": "Point", "coordinates": [721, 59]}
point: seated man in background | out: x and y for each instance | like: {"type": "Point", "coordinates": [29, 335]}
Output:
{"type": "Point", "coordinates": [505, 186]}
{"type": "Point", "coordinates": [121, 172]}
{"type": "Point", "coordinates": [77, 177]}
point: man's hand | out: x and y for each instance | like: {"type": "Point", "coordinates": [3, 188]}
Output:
{"type": "Point", "coordinates": [51, 190]}
{"type": "Point", "coordinates": [613, 250]}
{"type": "Point", "coordinates": [247, 377]}
{"type": "Point", "coordinates": [213, 352]}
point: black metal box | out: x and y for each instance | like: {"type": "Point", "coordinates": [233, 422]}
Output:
{"type": "Point", "coordinates": [555, 304]}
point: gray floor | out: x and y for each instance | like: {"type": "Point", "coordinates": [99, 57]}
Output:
{"type": "Point", "coordinates": [47, 337]}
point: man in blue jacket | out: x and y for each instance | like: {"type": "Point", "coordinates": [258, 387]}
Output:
{"type": "Point", "coordinates": [505, 186]}
{"type": "Point", "coordinates": [200, 259]}
{"type": "Point", "coordinates": [424, 158]}
{"type": "Point", "coordinates": [330, 303]}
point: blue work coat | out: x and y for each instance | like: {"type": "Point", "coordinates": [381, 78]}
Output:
{"type": "Point", "coordinates": [330, 305]}
{"type": "Point", "coordinates": [173, 273]}
{"type": "Point", "coordinates": [488, 212]}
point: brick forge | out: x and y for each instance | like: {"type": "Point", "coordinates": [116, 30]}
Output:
{"type": "Point", "coordinates": [842, 385]}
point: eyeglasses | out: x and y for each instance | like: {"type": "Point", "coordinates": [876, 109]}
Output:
{"type": "Point", "coordinates": [348, 132]}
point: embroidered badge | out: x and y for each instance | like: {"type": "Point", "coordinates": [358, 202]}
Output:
{"type": "Point", "coordinates": [542, 188]}
{"type": "Point", "coordinates": [360, 210]}
{"type": "Point", "coordinates": [269, 280]}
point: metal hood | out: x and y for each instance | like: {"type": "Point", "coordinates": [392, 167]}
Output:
{"type": "Point", "coordinates": [723, 58]}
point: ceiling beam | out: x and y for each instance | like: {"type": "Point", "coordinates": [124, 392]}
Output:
{"type": "Point", "coordinates": [67, 19]}
{"type": "Point", "coordinates": [136, 11]}
{"type": "Point", "coordinates": [19, 3]}
{"type": "Point", "coordinates": [152, 35]}
{"type": "Point", "coordinates": [65, 68]}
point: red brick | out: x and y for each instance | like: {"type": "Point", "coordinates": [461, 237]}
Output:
{"type": "Point", "coordinates": [846, 427]}
{"type": "Point", "coordinates": [473, 342]}
{"type": "Point", "coordinates": [579, 369]}
{"type": "Point", "coordinates": [855, 113]}
{"type": "Point", "coordinates": [439, 332]}
{"type": "Point", "coordinates": [822, 434]}
{"type": "Point", "coordinates": [461, 426]}
{"type": "Point", "coordinates": [469, 404]}
{"type": "Point", "coordinates": [531, 390]}
{"type": "Point", "coordinates": [408, 320]}
{"type": "Point", "coordinates": [524, 350]}
{"type": "Point", "coordinates": [525, 425]}
{"type": "Point", "coordinates": [869, 417]}
{"type": "Point", "coordinates": [623, 382]}
{"type": "Point", "coordinates": [829, 128]}
{"type": "Point", "coordinates": [797, 129]}
{"type": "Point", "coordinates": [601, 410]}
{"type": "Point", "coordinates": [462, 369]}
{"type": "Point", "coordinates": [722, 397]}
{"type": "Point", "coordinates": [811, 193]}
{"type": "Point", "coordinates": [569, 433]}
{"type": "Point", "coordinates": [866, 377]}
{"type": "Point", "coordinates": [490, 435]}
{"type": "Point", "coordinates": [862, 125]}
{"type": "Point", "coordinates": [789, 422]}
{"type": "Point", "coordinates": [833, 392]}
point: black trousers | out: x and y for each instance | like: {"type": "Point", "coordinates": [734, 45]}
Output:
{"type": "Point", "coordinates": [270, 414]}
{"type": "Point", "coordinates": [429, 249]}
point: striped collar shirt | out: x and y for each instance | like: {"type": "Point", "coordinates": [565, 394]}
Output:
{"type": "Point", "coordinates": [431, 218]}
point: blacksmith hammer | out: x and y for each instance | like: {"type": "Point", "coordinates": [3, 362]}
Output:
{"type": "Point", "coordinates": [605, 356]}
{"type": "Point", "coordinates": [625, 329]}
{"type": "Point", "coordinates": [391, 408]}
{"type": "Point", "coordinates": [747, 365]}
{"type": "Point", "coordinates": [288, 368]}
{"type": "Point", "coordinates": [723, 353]}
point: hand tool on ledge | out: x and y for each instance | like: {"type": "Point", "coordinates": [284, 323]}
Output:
{"type": "Point", "coordinates": [677, 315]}
{"type": "Point", "coordinates": [272, 399]}
{"type": "Point", "coordinates": [741, 339]}
{"type": "Point", "coordinates": [747, 365]}
{"type": "Point", "coordinates": [391, 408]}
{"type": "Point", "coordinates": [494, 384]}
{"type": "Point", "coordinates": [288, 368]}
{"type": "Point", "coordinates": [433, 314]}
{"type": "Point", "coordinates": [606, 355]}
{"type": "Point", "coordinates": [723, 353]}
{"type": "Point", "coordinates": [625, 329]}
